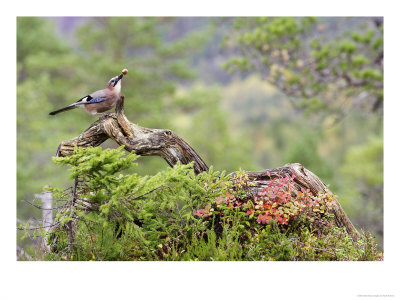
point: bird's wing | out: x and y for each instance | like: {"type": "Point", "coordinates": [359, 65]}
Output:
{"type": "Point", "coordinates": [96, 100]}
{"type": "Point", "coordinates": [89, 100]}
{"type": "Point", "coordinates": [96, 97]}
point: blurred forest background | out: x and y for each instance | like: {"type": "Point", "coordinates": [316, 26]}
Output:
{"type": "Point", "coordinates": [249, 93]}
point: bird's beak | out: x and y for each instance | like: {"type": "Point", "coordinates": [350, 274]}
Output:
{"type": "Point", "coordinates": [118, 79]}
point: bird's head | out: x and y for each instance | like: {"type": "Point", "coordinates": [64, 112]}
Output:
{"type": "Point", "coordinates": [115, 82]}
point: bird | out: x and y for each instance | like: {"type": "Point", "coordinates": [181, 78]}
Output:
{"type": "Point", "coordinates": [99, 101]}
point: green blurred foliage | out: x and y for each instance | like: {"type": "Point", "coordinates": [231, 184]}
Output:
{"type": "Point", "coordinates": [224, 148]}
{"type": "Point", "coordinates": [363, 193]}
{"type": "Point", "coordinates": [364, 163]}
{"type": "Point", "coordinates": [43, 63]}
{"type": "Point", "coordinates": [323, 70]}
{"type": "Point", "coordinates": [304, 150]}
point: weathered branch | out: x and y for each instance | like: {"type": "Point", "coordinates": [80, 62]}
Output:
{"type": "Point", "coordinates": [145, 141]}
{"type": "Point", "coordinates": [165, 143]}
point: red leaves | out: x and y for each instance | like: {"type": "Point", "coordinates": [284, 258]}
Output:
{"type": "Point", "coordinates": [250, 212]}
{"type": "Point", "coordinates": [219, 200]}
{"type": "Point", "coordinates": [280, 200]}
{"type": "Point", "coordinates": [206, 212]}
{"type": "Point", "coordinates": [276, 201]}
{"type": "Point", "coordinates": [281, 220]}
{"type": "Point", "coordinates": [264, 218]}
{"type": "Point", "coordinates": [267, 205]}
{"type": "Point", "coordinates": [202, 213]}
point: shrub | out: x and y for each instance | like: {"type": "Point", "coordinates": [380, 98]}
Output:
{"type": "Point", "coordinates": [116, 214]}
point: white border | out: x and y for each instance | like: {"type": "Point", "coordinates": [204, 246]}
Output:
{"type": "Point", "coordinates": [238, 280]}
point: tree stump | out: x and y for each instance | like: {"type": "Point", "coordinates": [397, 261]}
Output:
{"type": "Point", "coordinates": [165, 143]}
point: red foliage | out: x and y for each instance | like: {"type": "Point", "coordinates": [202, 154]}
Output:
{"type": "Point", "coordinates": [280, 201]}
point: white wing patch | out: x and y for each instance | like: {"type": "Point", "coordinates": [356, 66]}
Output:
{"type": "Point", "coordinates": [81, 102]}
{"type": "Point", "coordinates": [84, 99]}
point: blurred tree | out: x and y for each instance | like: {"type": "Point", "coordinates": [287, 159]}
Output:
{"type": "Point", "coordinates": [318, 68]}
{"type": "Point", "coordinates": [52, 74]}
{"type": "Point", "coordinates": [30, 41]}
{"type": "Point", "coordinates": [304, 150]}
{"type": "Point", "coordinates": [219, 145]}
{"type": "Point", "coordinates": [37, 44]}
{"type": "Point", "coordinates": [363, 169]}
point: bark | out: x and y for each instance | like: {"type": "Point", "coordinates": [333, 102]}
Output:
{"type": "Point", "coordinates": [165, 143]}
{"type": "Point", "coordinates": [145, 141]}
{"type": "Point", "coordinates": [69, 225]}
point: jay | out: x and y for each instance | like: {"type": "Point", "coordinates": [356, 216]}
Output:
{"type": "Point", "coordinates": [99, 101]}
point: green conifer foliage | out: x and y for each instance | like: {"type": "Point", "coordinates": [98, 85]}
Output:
{"type": "Point", "coordinates": [307, 59]}
{"type": "Point", "coordinates": [174, 215]}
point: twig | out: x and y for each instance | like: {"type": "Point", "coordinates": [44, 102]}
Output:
{"type": "Point", "coordinates": [39, 227]}
{"type": "Point", "coordinates": [140, 196]}
{"type": "Point", "coordinates": [40, 207]}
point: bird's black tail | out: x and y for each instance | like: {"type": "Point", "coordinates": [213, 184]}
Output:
{"type": "Point", "coordinates": [63, 109]}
